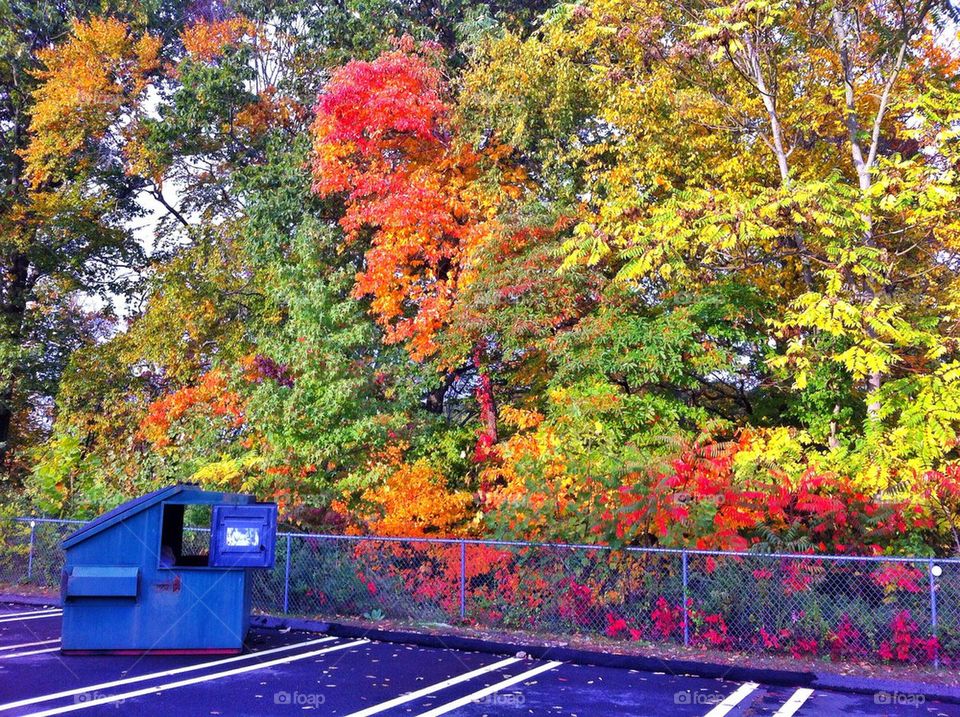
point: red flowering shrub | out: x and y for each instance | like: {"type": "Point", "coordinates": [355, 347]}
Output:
{"type": "Point", "coordinates": [905, 644]}
{"type": "Point", "coordinates": [804, 647]}
{"type": "Point", "coordinates": [898, 576]}
{"type": "Point", "coordinates": [845, 641]}
{"type": "Point", "coordinates": [700, 502]}
{"type": "Point", "coordinates": [666, 618]}
{"type": "Point", "coordinates": [576, 602]}
{"type": "Point", "coordinates": [715, 632]}
{"type": "Point", "coordinates": [774, 641]}
{"type": "Point", "coordinates": [615, 625]}
{"type": "Point", "coordinates": [798, 574]}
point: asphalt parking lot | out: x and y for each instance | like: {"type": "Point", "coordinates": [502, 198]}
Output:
{"type": "Point", "coordinates": [296, 672]}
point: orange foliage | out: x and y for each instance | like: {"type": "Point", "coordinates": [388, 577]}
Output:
{"type": "Point", "coordinates": [211, 394]}
{"type": "Point", "coordinates": [506, 482]}
{"type": "Point", "coordinates": [100, 71]}
{"type": "Point", "coordinates": [415, 501]}
{"type": "Point", "coordinates": [271, 111]}
{"type": "Point", "coordinates": [207, 40]}
{"type": "Point", "coordinates": [382, 136]}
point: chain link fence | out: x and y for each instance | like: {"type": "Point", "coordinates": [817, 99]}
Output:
{"type": "Point", "coordinates": [885, 609]}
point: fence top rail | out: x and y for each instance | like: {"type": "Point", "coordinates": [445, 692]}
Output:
{"type": "Point", "coordinates": [58, 521]}
{"type": "Point", "coordinates": [628, 549]}
{"type": "Point", "coordinates": [579, 546]}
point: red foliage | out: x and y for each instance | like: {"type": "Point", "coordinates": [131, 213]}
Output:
{"type": "Point", "coordinates": [576, 602]}
{"type": "Point", "coordinates": [773, 640]}
{"type": "Point", "coordinates": [367, 108]}
{"type": "Point", "coordinates": [666, 618]}
{"type": "Point", "coordinates": [898, 576]}
{"type": "Point", "coordinates": [615, 625]}
{"type": "Point", "coordinates": [804, 647]}
{"type": "Point", "coordinates": [798, 575]}
{"type": "Point", "coordinates": [487, 438]}
{"type": "Point", "coordinates": [701, 503]}
{"type": "Point", "coordinates": [905, 644]}
{"type": "Point", "coordinates": [715, 633]}
{"type": "Point", "coordinates": [939, 491]}
{"type": "Point", "coordinates": [382, 137]}
{"type": "Point", "coordinates": [846, 641]}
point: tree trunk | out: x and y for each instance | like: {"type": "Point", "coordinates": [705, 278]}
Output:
{"type": "Point", "coordinates": [6, 415]}
{"type": "Point", "coordinates": [488, 407]}
{"type": "Point", "coordinates": [780, 152]}
{"type": "Point", "coordinates": [862, 162]}
{"type": "Point", "coordinates": [12, 312]}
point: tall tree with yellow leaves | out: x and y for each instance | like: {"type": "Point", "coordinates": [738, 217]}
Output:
{"type": "Point", "coordinates": [803, 150]}
{"type": "Point", "coordinates": [59, 108]}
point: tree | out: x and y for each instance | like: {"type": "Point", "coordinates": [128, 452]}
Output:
{"type": "Point", "coordinates": [698, 147]}
{"type": "Point", "coordinates": [626, 271]}
{"type": "Point", "coordinates": [59, 238]}
{"type": "Point", "coordinates": [383, 138]}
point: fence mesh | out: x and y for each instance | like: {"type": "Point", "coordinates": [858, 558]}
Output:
{"type": "Point", "coordinates": [14, 551]}
{"type": "Point", "coordinates": [30, 551]}
{"type": "Point", "coordinates": [903, 610]}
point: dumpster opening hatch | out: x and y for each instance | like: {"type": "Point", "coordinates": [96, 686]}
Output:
{"type": "Point", "coordinates": [243, 536]}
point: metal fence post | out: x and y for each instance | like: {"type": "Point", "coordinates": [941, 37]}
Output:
{"type": "Point", "coordinates": [286, 579]}
{"type": "Point", "coordinates": [686, 611]}
{"type": "Point", "coordinates": [933, 610]}
{"type": "Point", "coordinates": [463, 579]}
{"type": "Point", "coordinates": [33, 534]}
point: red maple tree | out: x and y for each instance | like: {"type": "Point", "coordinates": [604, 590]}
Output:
{"type": "Point", "coordinates": [384, 140]}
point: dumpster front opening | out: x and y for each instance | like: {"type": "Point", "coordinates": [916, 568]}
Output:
{"type": "Point", "coordinates": [185, 545]}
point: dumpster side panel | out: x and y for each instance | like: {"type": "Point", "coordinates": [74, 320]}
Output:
{"type": "Point", "coordinates": [173, 608]}
{"type": "Point", "coordinates": [93, 622]}
{"type": "Point", "coordinates": [176, 610]}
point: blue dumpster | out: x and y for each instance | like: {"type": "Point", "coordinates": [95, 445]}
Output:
{"type": "Point", "coordinates": [143, 578]}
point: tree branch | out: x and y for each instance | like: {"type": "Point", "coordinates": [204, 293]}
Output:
{"type": "Point", "coordinates": [157, 194]}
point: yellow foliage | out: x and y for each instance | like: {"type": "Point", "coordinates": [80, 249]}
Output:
{"type": "Point", "coordinates": [87, 83]}
{"type": "Point", "coordinates": [520, 418]}
{"type": "Point", "coordinates": [229, 473]}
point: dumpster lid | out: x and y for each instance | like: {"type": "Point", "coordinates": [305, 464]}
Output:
{"type": "Point", "coordinates": [148, 500]}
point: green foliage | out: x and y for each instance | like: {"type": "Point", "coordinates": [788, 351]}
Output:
{"type": "Point", "coordinates": [620, 229]}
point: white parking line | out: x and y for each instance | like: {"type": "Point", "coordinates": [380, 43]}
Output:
{"type": "Point", "coordinates": [738, 696]}
{"type": "Point", "coordinates": [30, 612]}
{"type": "Point", "coordinates": [30, 616]}
{"type": "Point", "coordinates": [409, 696]}
{"type": "Point", "coordinates": [789, 708]}
{"type": "Point", "coordinates": [29, 652]}
{"type": "Point", "coordinates": [155, 675]}
{"type": "Point", "coordinates": [193, 680]}
{"type": "Point", "coordinates": [480, 694]}
{"type": "Point", "coordinates": [28, 644]}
